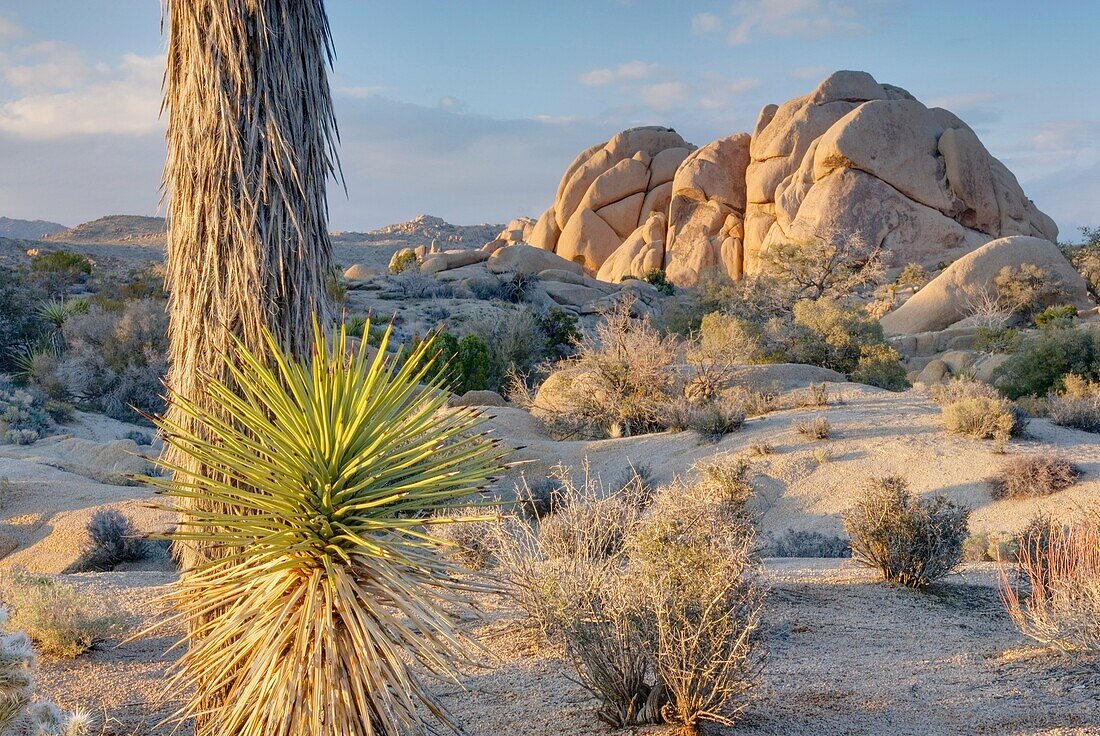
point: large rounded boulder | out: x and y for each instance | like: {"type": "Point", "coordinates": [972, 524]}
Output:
{"type": "Point", "coordinates": [608, 192]}
{"type": "Point", "coordinates": [858, 160]}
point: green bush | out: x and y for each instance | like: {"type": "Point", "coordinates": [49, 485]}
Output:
{"type": "Point", "coordinates": [1063, 314]}
{"type": "Point", "coordinates": [473, 365]}
{"type": "Point", "coordinates": [997, 339]}
{"type": "Point", "coordinates": [404, 261]}
{"type": "Point", "coordinates": [880, 365]}
{"type": "Point", "coordinates": [1042, 360]}
{"type": "Point", "coordinates": [59, 269]}
{"type": "Point", "coordinates": [911, 541]}
{"type": "Point", "coordinates": [657, 277]}
{"type": "Point", "coordinates": [560, 328]}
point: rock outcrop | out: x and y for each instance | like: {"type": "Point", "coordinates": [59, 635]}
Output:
{"type": "Point", "coordinates": [706, 220]}
{"type": "Point", "coordinates": [853, 162]}
{"type": "Point", "coordinates": [609, 191]}
{"type": "Point", "coordinates": [856, 159]}
{"type": "Point", "coordinates": [946, 299]}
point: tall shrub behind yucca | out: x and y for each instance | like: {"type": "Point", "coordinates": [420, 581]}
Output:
{"type": "Point", "coordinates": [321, 479]}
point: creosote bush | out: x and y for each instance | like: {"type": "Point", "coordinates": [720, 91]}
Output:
{"type": "Point", "coordinates": [1041, 362]}
{"type": "Point", "coordinates": [60, 621]}
{"type": "Point", "coordinates": [652, 597]}
{"type": "Point", "coordinates": [1029, 476]}
{"type": "Point", "coordinates": [911, 541]}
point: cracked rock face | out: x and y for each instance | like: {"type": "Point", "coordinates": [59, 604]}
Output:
{"type": "Point", "coordinates": [609, 191]}
{"type": "Point", "coordinates": [853, 160]}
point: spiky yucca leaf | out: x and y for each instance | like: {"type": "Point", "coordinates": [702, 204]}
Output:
{"type": "Point", "coordinates": [328, 608]}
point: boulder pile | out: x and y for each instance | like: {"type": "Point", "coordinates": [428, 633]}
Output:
{"type": "Point", "coordinates": [854, 160]}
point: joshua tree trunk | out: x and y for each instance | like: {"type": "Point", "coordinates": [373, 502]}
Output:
{"type": "Point", "coordinates": [251, 145]}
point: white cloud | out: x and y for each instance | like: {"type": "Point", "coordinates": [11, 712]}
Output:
{"type": "Point", "coordinates": [704, 23]}
{"type": "Point", "coordinates": [630, 71]}
{"type": "Point", "coordinates": [124, 99]}
{"type": "Point", "coordinates": [47, 65]}
{"type": "Point", "coordinates": [665, 95]}
{"type": "Point", "coordinates": [756, 19]}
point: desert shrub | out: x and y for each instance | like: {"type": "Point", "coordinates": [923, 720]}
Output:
{"type": "Point", "coordinates": [831, 267]}
{"type": "Point", "coordinates": [1028, 476]}
{"type": "Point", "coordinates": [630, 377]}
{"type": "Point", "coordinates": [801, 543]}
{"type": "Point", "coordinates": [24, 414]}
{"type": "Point", "coordinates": [113, 539]}
{"type": "Point", "coordinates": [726, 338]}
{"type": "Point", "coordinates": [114, 362]}
{"type": "Point", "coordinates": [817, 428]}
{"type": "Point", "coordinates": [1063, 314]}
{"type": "Point", "coordinates": [984, 546]}
{"type": "Point", "coordinates": [1026, 289]}
{"type": "Point", "coordinates": [913, 274]}
{"type": "Point", "coordinates": [516, 344]}
{"type": "Point", "coordinates": [411, 284]}
{"type": "Point", "coordinates": [20, 325]}
{"type": "Point", "coordinates": [911, 541]}
{"type": "Point", "coordinates": [1056, 598]}
{"type": "Point", "coordinates": [1078, 405]}
{"type": "Point", "coordinates": [325, 538]}
{"type": "Point", "coordinates": [983, 418]}
{"type": "Point", "coordinates": [711, 419]}
{"type": "Point", "coordinates": [516, 289]}
{"type": "Point", "coordinates": [403, 261]}
{"type": "Point", "coordinates": [698, 607]}
{"type": "Point", "coordinates": [61, 621]}
{"type": "Point", "coordinates": [1043, 359]}
{"type": "Point", "coordinates": [20, 713]}
{"type": "Point", "coordinates": [463, 365]}
{"type": "Point", "coordinates": [657, 278]}
{"type": "Point", "coordinates": [664, 626]}
{"type": "Point", "coordinates": [997, 339]}
{"type": "Point", "coordinates": [1085, 257]}
{"type": "Point", "coordinates": [560, 329]}
{"type": "Point", "coordinates": [57, 270]}
{"type": "Point", "coordinates": [880, 365]}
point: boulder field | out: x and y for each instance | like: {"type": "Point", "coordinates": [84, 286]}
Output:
{"type": "Point", "coordinates": [854, 160]}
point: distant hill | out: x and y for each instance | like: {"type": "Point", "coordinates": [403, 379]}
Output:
{"type": "Point", "coordinates": [151, 231]}
{"type": "Point", "coordinates": [422, 230]}
{"type": "Point", "coordinates": [128, 229]}
{"type": "Point", "coordinates": [27, 229]}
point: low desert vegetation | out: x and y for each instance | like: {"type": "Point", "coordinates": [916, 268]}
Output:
{"type": "Point", "coordinates": [911, 541]}
{"type": "Point", "coordinates": [802, 543]}
{"type": "Point", "coordinates": [112, 540]}
{"type": "Point", "coordinates": [20, 711]}
{"type": "Point", "coordinates": [59, 620]}
{"type": "Point", "coordinates": [652, 598]}
{"type": "Point", "coordinates": [1077, 405]}
{"type": "Point", "coordinates": [977, 410]}
{"type": "Point", "coordinates": [1055, 598]}
{"type": "Point", "coordinates": [817, 428]}
{"type": "Point", "coordinates": [1041, 362]}
{"type": "Point", "coordinates": [1085, 257]}
{"type": "Point", "coordinates": [402, 261]}
{"type": "Point", "coordinates": [1030, 476]}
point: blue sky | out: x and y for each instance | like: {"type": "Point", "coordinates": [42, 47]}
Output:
{"type": "Point", "coordinates": [471, 110]}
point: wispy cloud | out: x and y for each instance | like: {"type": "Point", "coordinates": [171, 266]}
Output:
{"type": "Point", "coordinates": [121, 99]}
{"type": "Point", "coordinates": [704, 23]}
{"type": "Point", "coordinates": [630, 71]}
{"type": "Point", "coordinates": [751, 20]}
